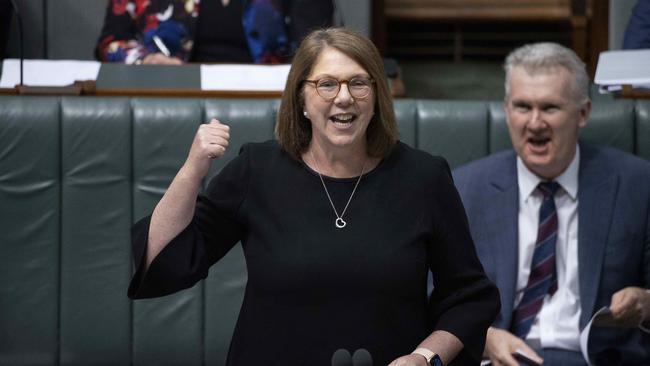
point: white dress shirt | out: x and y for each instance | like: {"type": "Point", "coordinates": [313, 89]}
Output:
{"type": "Point", "coordinates": [557, 323]}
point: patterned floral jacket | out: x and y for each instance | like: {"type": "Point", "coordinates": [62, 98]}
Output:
{"type": "Point", "coordinates": [135, 28]}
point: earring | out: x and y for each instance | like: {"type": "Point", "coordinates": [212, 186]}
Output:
{"type": "Point", "coordinates": [304, 113]}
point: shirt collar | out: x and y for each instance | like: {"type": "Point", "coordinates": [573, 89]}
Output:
{"type": "Point", "coordinates": [568, 180]}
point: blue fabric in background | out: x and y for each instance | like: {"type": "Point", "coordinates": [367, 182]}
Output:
{"type": "Point", "coordinates": [264, 26]}
{"type": "Point", "coordinates": [172, 33]}
{"type": "Point", "coordinates": [637, 33]}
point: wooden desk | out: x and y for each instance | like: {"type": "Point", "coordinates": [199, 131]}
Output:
{"type": "Point", "coordinates": [142, 80]}
{"type": "Point", "coordinates": [630, 93]}
{"type": "Point", "coordinates": [133, 92]}
{"type": "Point", "coordinates": [156, 81]}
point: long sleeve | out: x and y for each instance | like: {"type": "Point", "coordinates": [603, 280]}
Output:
{"type": "Point", "coordinates": [464, 300]}
{"type": "Point", "coordinates": [213, 231]}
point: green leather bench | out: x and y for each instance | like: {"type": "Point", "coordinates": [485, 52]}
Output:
{"type": "Point", "coordinates": [76, 172]}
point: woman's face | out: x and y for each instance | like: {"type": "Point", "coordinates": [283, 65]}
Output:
{"type": "Point", "coordinates": [340, 122]}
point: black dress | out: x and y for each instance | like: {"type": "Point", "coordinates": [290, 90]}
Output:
{"type": "Point", "coordinates": [314, 288]}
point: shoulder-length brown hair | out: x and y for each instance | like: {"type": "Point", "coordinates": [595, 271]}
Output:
{"type": "Point", "coordinates": [293, 129]}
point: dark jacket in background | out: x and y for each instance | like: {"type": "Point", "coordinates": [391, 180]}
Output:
{"type": "Point", "coordinates": [6, 12]}
{"type": "Point", "coordinates": [637, 33]}
{"type": "Point", "coordinates": [613, 237]}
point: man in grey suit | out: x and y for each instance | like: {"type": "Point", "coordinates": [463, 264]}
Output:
{"type": "Point", "coordinates": [562, 227]}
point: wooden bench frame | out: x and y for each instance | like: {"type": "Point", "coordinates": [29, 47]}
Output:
{"type": "Point", "coordinates": [576, 15]}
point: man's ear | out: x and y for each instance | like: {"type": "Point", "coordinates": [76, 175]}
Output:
{"type": "Point", "coordinates": [585, 112]}
{"type": "Point", "coordinates": [505, 108]}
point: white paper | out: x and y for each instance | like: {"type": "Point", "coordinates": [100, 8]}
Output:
{"type": "Point", "coordinates": [626, 67]}
{"type": "Point", "coordinates": [47, 72]}
{"type": "Point", "coordinates": [603, 317]}
{"type": "Point", "coordinates": [244, 77]}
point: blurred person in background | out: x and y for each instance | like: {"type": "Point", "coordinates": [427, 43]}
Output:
{"type": "Point", "coordinates": [637, 33]}
{"type": "Point", "coordinates": [235, 31]}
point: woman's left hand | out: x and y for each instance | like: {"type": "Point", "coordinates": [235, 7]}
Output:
{"type": "Point", "coordinates": [410, 360]}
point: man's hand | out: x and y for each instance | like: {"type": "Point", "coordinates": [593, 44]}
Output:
{"type": "Point", "coordinates": [500, 346]}
{"type": "Point", "coordinates": [631, 306]}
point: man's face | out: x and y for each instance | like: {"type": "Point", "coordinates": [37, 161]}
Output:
{"type": "Point", "coordinates": [544, 119]}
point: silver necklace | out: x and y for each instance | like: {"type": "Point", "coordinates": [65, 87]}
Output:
{"type": "Point", "coordinates": [339, 222]}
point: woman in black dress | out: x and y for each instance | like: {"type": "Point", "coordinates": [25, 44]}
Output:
{"type": "Point", "coordinates": [340, 224]}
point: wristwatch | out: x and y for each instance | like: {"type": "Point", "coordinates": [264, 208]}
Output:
{"type": "Point", "coordinates": [432, 358]}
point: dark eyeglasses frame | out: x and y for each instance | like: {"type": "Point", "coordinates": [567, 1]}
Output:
{"type": "Point", "coordinates": [340, 82]}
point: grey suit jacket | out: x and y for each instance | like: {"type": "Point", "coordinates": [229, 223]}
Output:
{"type": "Point", "coordinates": [613, 237]}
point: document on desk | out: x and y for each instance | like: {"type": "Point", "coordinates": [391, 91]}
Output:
{"type": "Point", "coordinates": [47, 72]}
{"type": "Point", "coordinates": [244, 77]}
{"type": "Point", "coordinates": [623, 67]}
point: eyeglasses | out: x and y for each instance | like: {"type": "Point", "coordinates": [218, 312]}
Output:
{"type": "Point", "coordinates": [328, 88]}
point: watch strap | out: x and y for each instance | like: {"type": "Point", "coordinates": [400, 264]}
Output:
{"type": "Point", "coordinates": [432, 358]}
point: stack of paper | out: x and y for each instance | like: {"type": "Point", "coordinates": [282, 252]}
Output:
{"type": "Point", "coordinates": [244, 77]}
{"type": "Point", "coordinates": [626, 67]}
{"type": "Point", "coordinates": [47, 72]}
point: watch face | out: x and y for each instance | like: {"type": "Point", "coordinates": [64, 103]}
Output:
{"type": "Point", "coordinates": [436, 361]}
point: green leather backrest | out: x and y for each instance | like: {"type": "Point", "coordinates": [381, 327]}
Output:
{"type": "Point", "coordinates": [456, 130]}
{"type": "Point", "coordinates": [642, 146]}
{"type": "Point", "coordinates": [76, 172]}
{"type": "Point", "coordinates": [162, 133]}
{"type": "Point", "coordinates": [95, 162]}
{"type": "Point", "coordinates": [30, 230]}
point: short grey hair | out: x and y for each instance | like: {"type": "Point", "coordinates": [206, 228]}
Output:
{"type": "Point", "coordinates": [544, 56]}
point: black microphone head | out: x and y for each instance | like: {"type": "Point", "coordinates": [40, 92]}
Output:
{"type": "Point", "coordinates": [341, 358]}
{"type": "Point", "coordinates": [361, 357]}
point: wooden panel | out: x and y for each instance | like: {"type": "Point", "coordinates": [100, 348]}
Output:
{"type": "Point", "coordinates": [478, 9]}
{"type": "Point", "coordinates": [598, 32]}
{"type": "Point", "coordinates": [477, 3]}
{"type": "Point", "coordinates": [459, 21]}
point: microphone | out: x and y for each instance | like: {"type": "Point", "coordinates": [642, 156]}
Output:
{"type": "Point", "coordinates": [20, 30]}
{"type": "Point", "coordinates": [77, 88]}
{"type": "Point", "coordinates": [361, 357]}
{"type": "Point", "coordinates": [341, 358]}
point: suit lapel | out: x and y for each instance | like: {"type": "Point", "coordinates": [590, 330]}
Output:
{"type": "Point", "coordinates": [503, 232]}
{"type": "Point", "coordinates": [596, 196]}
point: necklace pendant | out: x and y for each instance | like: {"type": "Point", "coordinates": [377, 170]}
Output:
{"type": "Point", "coordinates": [340, 223]}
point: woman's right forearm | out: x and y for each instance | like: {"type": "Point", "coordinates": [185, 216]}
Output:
{"type": "Point", "coordinates": [174, 211]}
{"type": "Point", "coordinates": [176, 208]}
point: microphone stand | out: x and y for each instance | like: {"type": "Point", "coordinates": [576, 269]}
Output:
{"type": "Point", "coordinates": [14, 6]}
{"type": "Point", "coordinates": [78, 88]}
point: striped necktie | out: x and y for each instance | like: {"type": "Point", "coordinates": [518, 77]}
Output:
{"type": "Point", "coordinates": [543, 275]}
